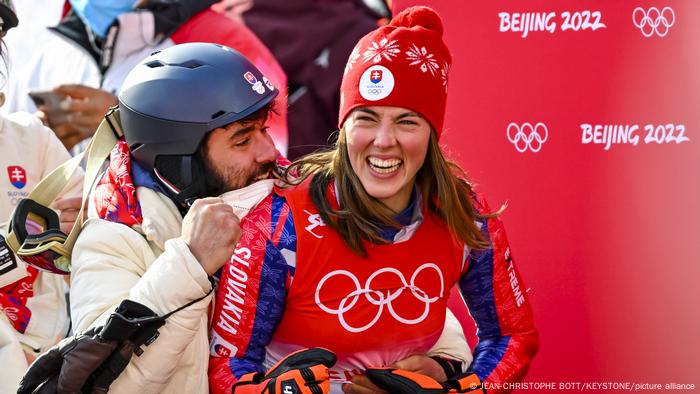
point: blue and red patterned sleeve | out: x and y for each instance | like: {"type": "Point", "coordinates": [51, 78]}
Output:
{"type": "Point", "coordinates": [497, 300]}
{"type": "Point", "coordinates": [251, 294]}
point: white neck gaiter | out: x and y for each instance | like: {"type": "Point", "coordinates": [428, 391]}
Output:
{"type": "Point", "coordinates": [245, 199]}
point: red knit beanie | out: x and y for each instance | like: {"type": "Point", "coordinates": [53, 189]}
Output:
{"type": "Point", "coordinates": [403, 64]}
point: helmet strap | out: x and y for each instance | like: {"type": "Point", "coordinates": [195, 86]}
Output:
{"type": "Point", "coordinates": [182, 178]}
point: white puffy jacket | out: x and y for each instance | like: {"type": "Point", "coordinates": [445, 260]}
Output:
{"type": "Point", "coordinates": [148, 264]}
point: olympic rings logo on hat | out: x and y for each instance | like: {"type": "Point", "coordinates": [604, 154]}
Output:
{"type": "Point", "coordinates": [378, 298]}
{"type": "Point", "coordinates": [527, 137]}
{"type": "Point", "coordinates": [653, 21]}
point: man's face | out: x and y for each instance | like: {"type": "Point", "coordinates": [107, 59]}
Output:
{"type": "Point", "coordinates": [237, 155]}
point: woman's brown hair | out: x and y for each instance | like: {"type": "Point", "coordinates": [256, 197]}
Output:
{"type": "Point", "coordinates": [442, 183]}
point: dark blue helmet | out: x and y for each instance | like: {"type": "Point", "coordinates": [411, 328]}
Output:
{"type": "Point", "coordinates": [173, 98]}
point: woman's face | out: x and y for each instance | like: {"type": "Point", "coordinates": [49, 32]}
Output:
{"type": "Point", "coordinates": [387, 146]}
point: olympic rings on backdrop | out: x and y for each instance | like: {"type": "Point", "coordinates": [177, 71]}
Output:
{"type": "Point", "coordinates": [527, 137]}
{"type": "Point", "coordinates": [653, 21]}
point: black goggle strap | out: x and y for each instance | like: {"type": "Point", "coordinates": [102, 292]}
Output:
{"type": "Point", "coordinates": [28, 209]}
{"type": "Point", "coordinates": [36, 203]}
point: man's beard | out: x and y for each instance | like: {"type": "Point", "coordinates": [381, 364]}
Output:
{"type": "Point", "coordinates": [234, 178]}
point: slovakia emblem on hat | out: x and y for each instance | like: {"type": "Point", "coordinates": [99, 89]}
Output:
{"type": "Point", "coordinates": [18, 177]}
{"type": "Point", "coordinates": [375, 76]}
{"type": "Point", "coordinates": [250, 78]}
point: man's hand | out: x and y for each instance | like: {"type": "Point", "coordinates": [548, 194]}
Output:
{"type": "Point", "coordinates": [69, 208]}
{"type": "Point", "coordinates": [423, 365]}
{"type": "Point", "coordinates": [303, 372]}
{"type": "Point", "coordinates": [211, 230]}
{"type": "Point", "coordinates": [79, 114]}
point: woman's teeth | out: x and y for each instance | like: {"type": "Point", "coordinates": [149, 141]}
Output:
{"type": "Point", "coordinates": [384, 166]}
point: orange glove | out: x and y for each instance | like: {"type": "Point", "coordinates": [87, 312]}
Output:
{"type": "Point", "coordinates": [302, 372]}
{"type": "Point", "coordinates": [399, 381]}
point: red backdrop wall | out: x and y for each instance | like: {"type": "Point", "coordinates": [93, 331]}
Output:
{"type": "Point", "coordinates": [607, 238]}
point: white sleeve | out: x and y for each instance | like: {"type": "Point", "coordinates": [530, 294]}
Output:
{"type": "Point", "coordinates": [112, 262]}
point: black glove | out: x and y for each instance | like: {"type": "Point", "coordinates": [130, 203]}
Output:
{"type": "Point", "coordinates": [75, 358]}
{"type": "Point", "coordinates": [399, 381]}
{"type": "Point", "coordinates": [302, 372]}
{"type": "Point", "coordinates": [89, 362]}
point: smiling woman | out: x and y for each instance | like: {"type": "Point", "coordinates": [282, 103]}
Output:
{"type": "Point", "coordinates": [382, 155]}
{"type": "Point", "coordinates": [357, 252]}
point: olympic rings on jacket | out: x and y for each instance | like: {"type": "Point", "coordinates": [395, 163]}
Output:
{"type": "Point", "coordinates": [377, 297]}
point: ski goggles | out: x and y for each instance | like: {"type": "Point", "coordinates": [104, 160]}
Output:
{"type": "Point", "coordinates": [36, 237]}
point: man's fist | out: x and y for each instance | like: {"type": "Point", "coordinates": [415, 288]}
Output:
{"type": "Point", "coordinates": [211, 230]}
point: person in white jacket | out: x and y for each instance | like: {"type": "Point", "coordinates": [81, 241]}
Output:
{"type": "Point", "coordinates": [33, 315]}
{"type": "Point", "coordinates": [28, 152]}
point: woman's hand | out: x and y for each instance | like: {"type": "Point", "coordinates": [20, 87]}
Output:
{"type": "Point", "coordinates": [423, 365]}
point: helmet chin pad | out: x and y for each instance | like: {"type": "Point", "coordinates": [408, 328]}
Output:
{"type": "Point", "coordinates": [182, 177]}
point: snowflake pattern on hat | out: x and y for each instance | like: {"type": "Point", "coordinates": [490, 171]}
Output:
{"type": "Point", "coordinates": [386, 49]}
{"type": "Point", "coordinates": [445, 71]}
{"type": "Point", "coordinates": [421, 57]}
{"type": "Point", "coordinates": [352, 59]}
